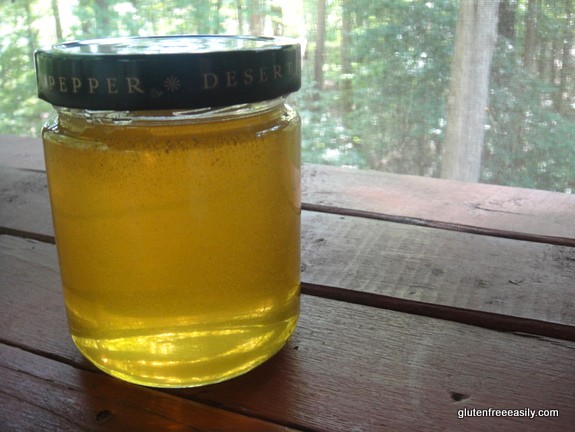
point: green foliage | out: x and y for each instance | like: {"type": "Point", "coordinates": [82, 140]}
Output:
{"type": "Point", "coordinates": [528, 143]}
{"type": "Point", "coordinates": [386, 71]}
{"type": "Point", "coordinates": [400, 55]}
{"type": "Point", "coordinates": [21, 112]}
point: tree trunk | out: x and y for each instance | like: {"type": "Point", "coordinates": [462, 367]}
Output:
{"type": "Point", "coordinates": [530, 46]}
{"type": "Point", "coordinates": [216, 17]}
{"type": "Point", "coordinates": [475, 37]}
{"type": "Point", "coordinates": [58, 23]}
{"type": "Point", "coordinates": [256, 17]}
{"type": "Point", "coordinates": [276, 15]}
{"type": "Point", "coordinates": [319, 46]}
{"type": "Point", "coordinates": [346, 68]}
{"type": "Point", "coordinates": [556, 55]}
{"type": "Point", "coordinates": [546, 61]}
{"type": "Point", "coordinates": [240, 9]}
{"type": "Point", "coordinates": [506, 21]}
{"type": "Point", "coordinates": [32, 33]}
{"type": "Point", "coordinates": [103, 19]}
{"type": "Point", "coordinates": [562, 100]}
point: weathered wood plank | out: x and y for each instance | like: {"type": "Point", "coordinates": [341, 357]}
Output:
{"type": "Point", "coordinates": [509, 277]}
{"type": "Point", "coordinates": [40, 394]}
{"type": "Point", "coordinates": [489, 206]}
{"type": "Point", "coordinates": [347, 367]}
{"type": "Point", "coordinates": [523, 279]}
{"type": "Point", "coordinates": [24, 201]}
{"type": "Point", "coordinates": [21, 152]}
{"type": "Point", "coordinates": [489, 320]}
{"type": "Point", "coordinates": [438, 224]}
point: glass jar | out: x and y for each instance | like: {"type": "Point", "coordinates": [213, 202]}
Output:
{"type": "Point", "coordinates": [173, 168]}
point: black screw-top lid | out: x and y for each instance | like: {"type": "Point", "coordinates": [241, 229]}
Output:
{"type": "Point", "coordinates": [165, 72]}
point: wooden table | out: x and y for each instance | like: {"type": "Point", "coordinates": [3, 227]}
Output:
{"type": "Point", "coordinates": [423, 301]}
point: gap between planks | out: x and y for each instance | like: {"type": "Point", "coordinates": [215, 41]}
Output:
{"type": "Point", "coordinates": [449, 226]}
{"type": "Point", "coordinates": [488, 320]}
{"type": "Point", "coordinates": [93, 399]}
{"type": "Point", "coordinates": [347, 366]}
{"type": "Point", "coordinates": [406, 220]}
{"type": "Point", "coordinates": [478, 318]}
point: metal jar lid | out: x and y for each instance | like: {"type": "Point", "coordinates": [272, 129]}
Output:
{"type": "Point", "coordinates": [167, 72]}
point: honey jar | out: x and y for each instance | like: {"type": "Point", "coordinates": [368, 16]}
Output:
{"type": "Point", "coordinates": [173, 167]}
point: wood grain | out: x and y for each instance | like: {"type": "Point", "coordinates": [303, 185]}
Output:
{"type": "Point", "coordinates": [515, 278]}
{"type": "Point", "coordinates": [24, 202]}
{"type": "Point", "coordinates": [482, 273]}
{"type": "Point", "coordinates": [347, 367]}
{"type": "Point", "coordinates": [475, 204]}
{"type": "Point", "coordinates": [438, 224]}
{"type": "Point", "coordinates": [489, 320]}
{"type": "Point", "coordinates": [481, 205]}
{"type": "Point", "coordinates": [52, 396]}
{"type": "Point", "coordinates": [21, 152]}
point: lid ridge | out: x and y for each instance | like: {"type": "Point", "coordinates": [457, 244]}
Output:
{"type": "Point", "coordinates": [163, 72]}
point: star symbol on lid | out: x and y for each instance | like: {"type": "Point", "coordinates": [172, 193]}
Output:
{"type": "Point", "coordinates": [172, 83]}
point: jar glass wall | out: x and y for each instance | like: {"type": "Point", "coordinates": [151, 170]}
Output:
{"type": "Point", "coordinates": [173, 168]}
{"type": "Point", "coordinates": [178, 237]}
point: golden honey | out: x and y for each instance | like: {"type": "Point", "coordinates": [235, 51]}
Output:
{"type": "Point", "coordinates": [178, 237]}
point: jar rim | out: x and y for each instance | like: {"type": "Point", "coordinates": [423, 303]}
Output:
{"type": "Point", "coordinates": [168, 72]}
{"type": "Point", "coordinates": [162, 117]}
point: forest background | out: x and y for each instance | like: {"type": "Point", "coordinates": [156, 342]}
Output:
{"type": "Point", "coordinates": [377, 74]}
